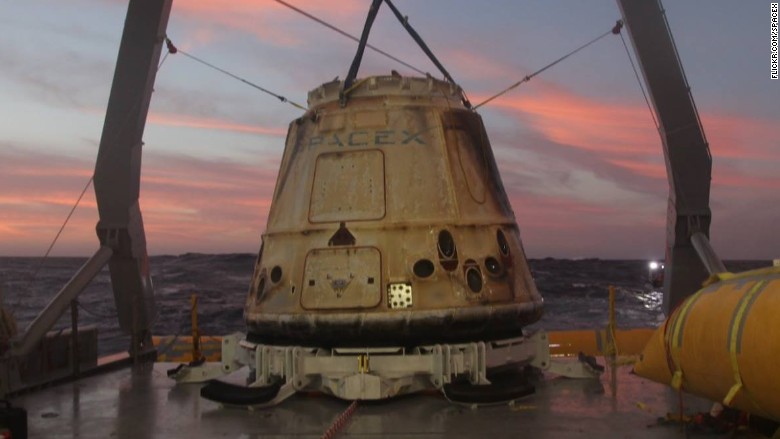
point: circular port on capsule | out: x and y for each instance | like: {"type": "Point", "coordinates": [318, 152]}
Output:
{"type": "Point", "coordinates": [493, 266]}
{"type": "Point", "coordinates": [446, 244]}
{"type": "Point", "coordinates": [276, 274]}
{"type": "Point", "coordinates": [474, 279]}
{"type": "Point", "coordinates": [423, 268]}
{"type": "Point", "coordinates": [503, 244]}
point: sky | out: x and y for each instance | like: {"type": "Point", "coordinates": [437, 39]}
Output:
{"type": "Point", "coordinates": [576, 146]}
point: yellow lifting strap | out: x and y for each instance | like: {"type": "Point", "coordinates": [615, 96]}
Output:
{"type": "Point", "coordinates": [735, 333]}
{"type": "Point", "coordinates": [674, 345]}
{"type": "Point", "coordinates": [718, 277]}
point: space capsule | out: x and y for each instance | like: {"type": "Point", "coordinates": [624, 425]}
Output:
{"type": "Point", "coordinates": [389, 225]}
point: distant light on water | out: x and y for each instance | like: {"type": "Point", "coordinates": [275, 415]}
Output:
{"type": "Point", "coordinates": [656, 273]}
{"type": "Point", "coordinates": [651, 300]}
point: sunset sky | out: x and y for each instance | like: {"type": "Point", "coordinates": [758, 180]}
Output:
{"type": "Point", "coordinates": [577, 148]}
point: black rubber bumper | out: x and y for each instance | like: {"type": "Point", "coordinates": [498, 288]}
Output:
{"type": "Point", "coordinates": [393, 328]}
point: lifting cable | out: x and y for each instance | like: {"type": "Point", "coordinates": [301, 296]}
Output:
{"type": "Point", "coordinates": [615, 30]}
{"type": "Point", "coordinates": [350, 36]}
{"type": "Point", "coordinates": [73, 209]}
{"type": "Point", "coordinates": [355, 66]}
{"type": "Point", "coordinates": [62, 227]}
{"type": "Point", "coordinates": [639, 81]}
{"type": "Point", "coordinates": [418, 39]}
{"type": "Point", "coordinates": [173, 50]}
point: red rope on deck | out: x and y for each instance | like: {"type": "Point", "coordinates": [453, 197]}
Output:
{"type": "Point", "coordinates": [340, 422]}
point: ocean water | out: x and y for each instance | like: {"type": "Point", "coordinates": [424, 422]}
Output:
{"type": "Point", "coordinates": [575, 293]}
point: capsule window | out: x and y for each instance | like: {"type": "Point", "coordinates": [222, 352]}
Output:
{"type": "Point", "coordinates": [448, 253]}
{"type": "Point", "coordinates": [446, 245]}
{"type": "Point", "coordinates": [474, 279]}
{"type": "Point", "coordinates": [276, 274]}
{"type": "Point", "coordinates": [503, 244]}
{"type": "Point", "coordinates": [493, 266]}
{"type": "Point", "coordinates": [423, 268]}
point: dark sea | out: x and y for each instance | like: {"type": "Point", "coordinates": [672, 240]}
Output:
{"type": "Point", "coordinates": [575, 293]}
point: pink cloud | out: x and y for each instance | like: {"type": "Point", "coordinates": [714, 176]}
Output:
{"type": "Point", "coordinates": [563, 226]}
{"type": "Point", "coordinates": [736, 137]}
{"type": "Point", "coordinates": [546, 212]}
{"type": "Point", "coordinates": [622, 135]}
{"type": "Point", "coordinates": [268, 19]}
{"type": "Point", "coordinates": [729, 178]}
{"type": "Point", "coordinates": [652, 170]}
{"type": "Point", "coordinates": [206, 123]}
{"type": "Point", "coordinates": [188, 204]}
{"type": "Point", "coordinates": [199, 205]}
{"type": "Point", "coordinates": [581, 122]}
{"type": "Point", "coordinates": [578, 122]}
{"type": "Point", "coordinates": [470, 64]}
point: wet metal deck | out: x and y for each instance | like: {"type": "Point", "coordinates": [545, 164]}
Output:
{"type": "Point", "coordinates": [144, 403]}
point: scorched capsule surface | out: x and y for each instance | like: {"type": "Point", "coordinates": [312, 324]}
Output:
{"type": "Point", "coordinates": [389, 225]}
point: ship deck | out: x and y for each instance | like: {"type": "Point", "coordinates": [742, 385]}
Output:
{"type": "Point", "coordinates": [142, 402]}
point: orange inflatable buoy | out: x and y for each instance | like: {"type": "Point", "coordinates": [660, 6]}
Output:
{"type": "Point", "coordinates": [723, 343]}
